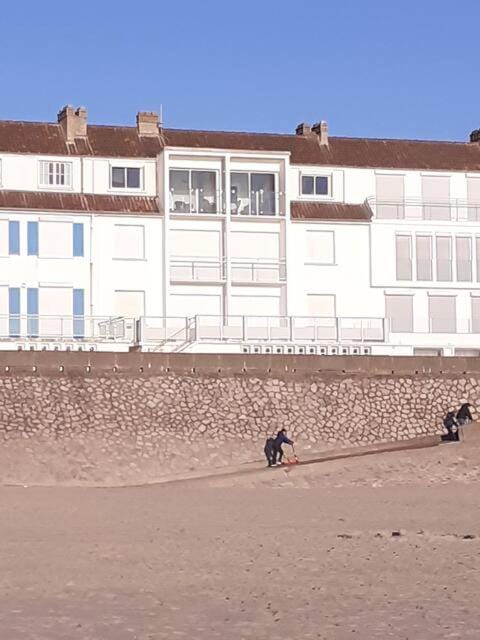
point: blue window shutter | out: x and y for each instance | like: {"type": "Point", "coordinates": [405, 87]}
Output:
{"type": "Point", "coordinates": [32, 312]}
{"type": "Point", "coordinates": [78, 313]}
{"type": "Point", "coordinates": [32, 238]}
{"type": "Point", "coordinates": [14, 311]}
{"type": "Point", "coordinates": [14, 238]}
{"type": "Point", "coordinates": [78, 250]}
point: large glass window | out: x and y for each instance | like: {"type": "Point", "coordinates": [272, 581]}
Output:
{"type": "Point", "coordinates": [126, 178]}
{"type": "Point", "coordinates": [315, 186]}
{"type": "Point", "coordinates": [193, 191]}
{"type": "Point", "coordinates": [253, 194]}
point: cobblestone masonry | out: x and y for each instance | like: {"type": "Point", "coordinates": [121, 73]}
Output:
{"type": "Point", "coordinates": [79, 426]}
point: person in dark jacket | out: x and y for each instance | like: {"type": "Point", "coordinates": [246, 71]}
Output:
{"type": "Point", "coordinates": [451, 426]}
{"type": "Point", "coordinates": [463, 414]}
{"type": "Point", "coordinates": [277, 446]}
{"type": "Point", "coordinates": [269, 451]}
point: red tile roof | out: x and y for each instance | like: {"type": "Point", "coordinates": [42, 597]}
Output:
{"type": "Point", "coordinates": [50, 201]}
{"type": "Point", "coordinates": [330, 211]}
{"type": "Point", "coordinates": [111, 141]}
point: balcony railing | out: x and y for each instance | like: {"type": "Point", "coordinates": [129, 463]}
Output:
{"type": "Point", "coordinates": [40, 327]}
{"type": "Point", "coordinates": [213, 328]}
{"type": "Point", "coordinates": [258, 203]}
{"type": "Point", "coordinates": [195, 269]}
{"type": "Point", "coordinates": [258, 271]}
{"type": "Point", "coordinates": [451, 210]}
{"type": "Point", "coordinates": [196, 201]}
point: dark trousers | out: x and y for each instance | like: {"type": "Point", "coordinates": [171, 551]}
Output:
{"type": "Point", "coordinates": [277, 453]}
{"type": "Point", "coordinates": [269, 450]}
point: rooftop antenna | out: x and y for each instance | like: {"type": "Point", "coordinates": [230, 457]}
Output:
{"type": "Point", "coordinates": [160, 116]}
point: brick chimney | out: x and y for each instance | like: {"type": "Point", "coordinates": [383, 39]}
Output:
{"type": "Point", "coordinates": [303, 129]}
{"type": "Point", "coordinates": [147, 123]}
{"type": "Point", "coordinates": [73, 122]}
{"type": "Point", "coordinates": [321, 129]}
{"type": "Point", "coordinates": [475, 136]}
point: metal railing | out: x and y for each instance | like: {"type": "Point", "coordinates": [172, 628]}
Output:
{"type": "Point", "coordinates": [196, 269]}
{"type": "Point", "coordinates": [264, 271]}
{"type": "Point", "coordinates": [451, 209]}
{"type": "Point", "coordinates": [259, 203]}
{"type": "Point", "coordinates": [213, 328]}
{"type": "Point", "coordinates": [41, 327]}
{"type": "Point", "coordinates": [197, 201]}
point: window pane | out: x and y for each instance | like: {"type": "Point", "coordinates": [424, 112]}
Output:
{"type": "Point", "coordinates": [133, 178]}
{"type": "Point", "coordinates": [78, 239]}
{"type": "Point", "coordinates": [32, 311]}
{"type": "Point", "coordinates": [307, 185]}
{"type": "Point", "coordinates": [424, 258]}
{"type": "Point", "coordinates": [444, 259]}
{"type": "Point", "coordinates": [442, 310]}
{"type": "Point", "coordinates": [32, 239]}
{"type": "Point", "coordinates": [321, 185]}
{"type": "Point", "coordinates": [263, 193]}
{"type": "Point", "coordinates": [204, 187]}
{"type": "Point", "coordinates": [118, 177]}
{"type": "Point", "coordinates": [240, 196]}
{"type": "Point", "coordinates": [14, 238]}
{"type": "Point", "coordinates": [179, 191]}
{"type": "Point", "coordinates": [399, 312]}
{"type": "Point", "coordinates": [78, 312]}
{"type": "Point", "coordinates": [403, 257]}
{"type": "Point", "coordinates": [14, 311]}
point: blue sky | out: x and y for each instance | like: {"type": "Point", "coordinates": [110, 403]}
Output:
{"type": "Point", "coordinates": [377, 68]}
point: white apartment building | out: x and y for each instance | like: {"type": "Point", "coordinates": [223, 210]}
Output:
{"type": "Point", "coordinates": [114, 238]}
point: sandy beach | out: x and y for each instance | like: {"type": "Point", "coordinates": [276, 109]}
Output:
{"type": "Point", "coordinates": [381, 547]}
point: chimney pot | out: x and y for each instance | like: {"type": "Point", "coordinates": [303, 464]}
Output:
{"type": "Point", "coordinates": [147, 123]}
{"type": "Point", "coordinates": [303, 129]}
{"type": "Point", "coordinates": [321, 129]}
{"type": "Point", "coordinates": [475, 136]}
{"type": "Point", "coordinates": [73, 122]}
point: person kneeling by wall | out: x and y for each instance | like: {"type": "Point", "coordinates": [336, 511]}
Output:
{"type": "Point", "coordinates": [451, 426]}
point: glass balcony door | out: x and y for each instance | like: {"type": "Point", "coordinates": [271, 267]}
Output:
{"type": "Point", "coordinates": [193, 191]}
{"type": "Point", "coordinates": [253, 194]}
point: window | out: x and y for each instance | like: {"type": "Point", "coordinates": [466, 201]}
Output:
{"type": "Point", "coordinates": [424, 257]}
{"type": "Point", "coordinates": [55, 174]}
{"type": "Point", "coordinates": [32, 312]}
{"type": "Point", "coordinates": [315, 185]}
{"type": "Point", "coordinates": [475, 327]}
{"type": "Point", "coordinates": [32, 238]}
{"type": "Point", "coordinates": [442, 313]}
{"type": "Point", "coordinates": [14, 312]}
{"type": "Point", "coordinates": [253, 194]}
{"type": "Point", "coordinates": [129, 242]}
{"type": "Point", "coordinates": [444, 258]}
{"type": "Point", "coordinates": [473, 195]}
{"type": "Point", "coordinates": [320, 247]}
{"type": "Point", "coordinates": [78, 304]}
{"type": "Point", "coordinates": [14, 238]}
{"type": "Point", "coordinates": [193, 191]}
{"type": "Point", "coordinates": [78, 243]}
{"type": "Point", "coordinates": [126, 178]}
{"type": "Point", "coordinates": [403, 257]}
{"type": "Point", "coordinates": [390, 190]}
{"type": "Point", "coordinates": [399, 313]}
{"type": "Point", "coordinates": [55, 239]}
{"type": "Point", "coordinates": [463, 248]}
{"type": "Point", "coordinates": [436, 197]}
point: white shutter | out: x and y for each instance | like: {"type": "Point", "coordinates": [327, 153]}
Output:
{"type": "Point", "coordinates": [202, 243]}
{"type": "Point", "coordinates": [55, 239]}
{"type": "Point", "coordinates": [436, 196]}
{"type": "Point", "coordinates": [129, 242]}
{"type": "Point", "coordinates": [442, 311]}
{"type": "Point", "coordinates": [320, 246]}
{"type": "Point", "coordinates": [476, 314]}
{"type": "Point", "coordinates": [399, 312]}
{"type": "Point", "coordinates": [4, 238]}
{"type": "Point", "coordinates": [444, 258]}
{"type": "Point", "coordinates": [195, 304]}
{"type": "Point", "coordinates": [463, 247]}
{"type": "Point", "coordinates": [254, 245]}
{"type": "Point", "coordinates": [390, 196]}
{"type": "Point", "coordinates": [424, 257]}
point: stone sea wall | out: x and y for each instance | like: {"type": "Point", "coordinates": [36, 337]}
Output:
{"type": "Point", "coordinates": [128, 418]}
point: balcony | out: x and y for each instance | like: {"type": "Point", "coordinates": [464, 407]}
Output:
{"type": "Point", "coordinates": [451, 210]}
{"type": "Point", "coordinates": [67, 328]}
{"type": "Point", "coordinates": [259, 203]}
{"type": "Point", "coordinates": [261, 329]}
{"type": "Point", "coordinates": [197, 269]}
{"type": "Point", "coordinates": [258, 271]}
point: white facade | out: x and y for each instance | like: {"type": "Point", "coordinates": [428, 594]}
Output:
{"type": "Point", "coordinates": [224, 264]}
